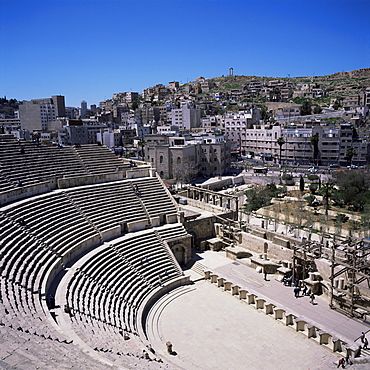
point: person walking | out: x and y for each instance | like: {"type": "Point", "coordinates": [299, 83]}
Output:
{"type": "Point", "coordinates": [304, 292]}
{"type": "Point", "coordinates": [348, 361]}
{"type": "Point", "coordinates": [341, 363]}
{"type": "Point", "coordinates": [312, 298]}
{"type": "Point", "coordinates": [297, 289]}
{"type": "Point", "coordinates": [362, 337]}
{"type": "Point", "coordinates": [366, 343]}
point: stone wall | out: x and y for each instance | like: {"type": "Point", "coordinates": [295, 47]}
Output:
{"type": "Point", "coordinates": [204, 206]}
{"type": "Point", "coordinates": [90, 179]}
{"type": "Point", "coordinates": [201, 228]}
{"type": "Point", "coordinates": [27, 191]}
{"type": "Point", "coordinates": [257, 245]}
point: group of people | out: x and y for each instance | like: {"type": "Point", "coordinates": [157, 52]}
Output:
{"type": "Point", "coordinates": [344, 361]}
{"type": "Point", "coordinates": [288, 281]}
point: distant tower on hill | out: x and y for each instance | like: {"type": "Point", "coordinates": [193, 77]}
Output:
{"type": "Point", "coordinates": [231, 71]}
{"type": "Point", "coordinates": [83, 109]}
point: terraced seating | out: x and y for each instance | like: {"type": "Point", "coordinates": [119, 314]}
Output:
{"type": "Point", "coordinates": [110, 286]}
{"type": "Point", "coordinates": [108, 205]}
{"type": "Point", "coordinates": [24, 265]}
{"type": "Point", "coordinates": [32, 351]}
{"type": "Point", "coordinates": [55, 221]}
{"type": "Point", "coordinates": [98, 159]}
{"type": "Point", "coordinates": [38, 163]}
{"type": "Point", "coordinates": [171, 232]}
{"type": "Point", "coordinates": [6, 184]}
{"type": "Point", "coordinates": [155, 198]}
{"type": "Point", "coordinates": [40, 235]}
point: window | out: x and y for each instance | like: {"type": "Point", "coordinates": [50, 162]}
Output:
{"type": "Point", "coordinates": [178, 161]}
{"type": "Point", "coordinates": [161, 159]}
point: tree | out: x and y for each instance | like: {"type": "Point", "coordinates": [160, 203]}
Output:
{"type": "Point", "coordinates": [313, 188]}
{"type": "Point", "coordinates": [301, 184]}
{"type": "Point", "coordinates": [317, 109]}
{"type": "Point", "coordinates": [141, 144]}
{"type": "Point", "coordinates": [135, 105]}
{"type": "Point", "coordinates": [306, 108]}
{"type": "Point", "coordinates": [353, 189]}
{"type": "Point", "coordinates": [280, 142]}
{"type": "Point", "coordinates": [260, 196]}
{"type": "Point", "coordinates": [314, 140]}
{"type": "Point", "coordinates": [327, 190]}
{"type": "Point", "coordinates": [336, 105]}
{"type": "Point", "coordinates": [350, 153]}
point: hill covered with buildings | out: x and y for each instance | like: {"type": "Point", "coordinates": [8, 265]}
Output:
{"type": "Point", "coordinates": [197, 128]}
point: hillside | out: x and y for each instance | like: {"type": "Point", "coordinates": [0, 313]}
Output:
{"type": "Point", "coordinates": [337, 85]}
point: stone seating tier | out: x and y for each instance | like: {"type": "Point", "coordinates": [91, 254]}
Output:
{"type": "Point", "coordinates": [39, 233]}
{"type": "Point", "coordinates": [40, 163]}
{"type": "Point", "coordinates": [108, 205]}
{"type": "Point", "coordinates": [120, 276]}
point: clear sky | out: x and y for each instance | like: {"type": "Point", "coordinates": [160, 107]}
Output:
{"type": "Point", "coordinates": [91, 49]}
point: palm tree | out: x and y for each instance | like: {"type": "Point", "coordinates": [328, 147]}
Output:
{"type": "Point", "coordinates": [280, 142]}
{"type": "Point", "coordinates": [327, 190]}
{"type": "Point", "coordinates": [142, 143]}
{"type": "Point", "coordinates": [315, 143]}
{"type": "Point", "coordinates": [350, 153]}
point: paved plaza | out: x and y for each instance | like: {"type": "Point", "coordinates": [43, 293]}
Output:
{"type": "Point", "coordinates": [211, 329]}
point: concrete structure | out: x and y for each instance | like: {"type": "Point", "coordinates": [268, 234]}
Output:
{"type": "Point", "coordinates": [110, 138]}
{"type": "Point", "coordinates": [80, 132]}
{"type": "Point", "coordinates": [83, 109]}
{"type": "Point", "coordinates": [333, 142]}
{"type": "Point", "coordinates": [36, 114]}
{"type": "Point", "coordinates": [237, 124]}
{"type": "Point", "coordinates": [186, 117]}
{"type": "Point", "coordinates": [183, 158]}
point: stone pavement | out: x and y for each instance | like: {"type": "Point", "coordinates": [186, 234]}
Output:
{"type": "Point", "coordinates": [211, 329]}
{"type": "Point", "coordinates": [246, 277]}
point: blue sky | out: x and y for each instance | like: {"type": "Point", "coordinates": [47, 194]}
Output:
{"type": "Point", "coordinates": [90, 49]}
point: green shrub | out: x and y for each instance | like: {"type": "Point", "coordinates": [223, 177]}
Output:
{"type": "Point", "coordinates": [287, 177]}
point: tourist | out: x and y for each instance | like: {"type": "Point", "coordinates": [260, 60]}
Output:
{"type": "Point", "coordinates": [341, 363]}
{"type": "Point", "coordinates": [362, 337]}
{"type": "Point", "coordinates": [312, 298]}
{"type": "Point", "coordinates": [297, 289]}
{"type": "Point", "coordinates": [365, 343]}
{"type": "Point", "coordinates": [304, 292]}
{"type": "Point", "coordinates": [22, 221]}
{"type": "Point", "coordinates": [348, 361]}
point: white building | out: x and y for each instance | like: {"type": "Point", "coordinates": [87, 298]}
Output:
{"type": "Point", "coordinates": [186, 117]}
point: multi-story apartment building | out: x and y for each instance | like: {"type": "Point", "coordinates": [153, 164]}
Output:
{"type": "Point", "coordinates": [237, 124]}
{"type": "Point", "coordinates": [299, 145]}
{"type": "Point", "coordinates": [186, 117]}
{"type": "Point", "coordinates": [173, 86]}
{"type": "Point", "coordinates": [126, 97]}
{"type": "Point", "coordinates": [80, 132]}
{"type": "Point", "coordinates": [183, 158]}
{"type": "Point", "coordinates": [37, 114]}
{"type": "Point", "coordinates": [155, 93]}
{"type": "Point", "coordinates": [205, 85]}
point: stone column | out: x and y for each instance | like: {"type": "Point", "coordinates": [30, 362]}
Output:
{"type": "Point", "coordinates": [220, 282]}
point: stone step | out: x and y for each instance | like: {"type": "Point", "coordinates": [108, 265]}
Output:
{"type": "Point", "coordinates": [199, 268]}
